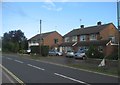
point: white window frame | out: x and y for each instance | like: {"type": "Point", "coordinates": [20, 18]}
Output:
{"type": "Point", "coordinates": [68, 49]}
{"type": "Point", "coordinates": [67, 39]}
{"type": "Point", "coordinates": [82, 37]}
{"type": "Point", "coordinates": [74, 38]}
{"type": "Point", "coordinates": [93, 37]}
{"type": "Point", "coordinates": [112, 38]}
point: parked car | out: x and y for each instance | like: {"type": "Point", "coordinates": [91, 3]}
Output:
{"type": "Point", "coordinates": [70, 54]}
{"type": "Point", "coordinates": [80, 55]}
{"type": "Point", "coordinates": [55, 53]}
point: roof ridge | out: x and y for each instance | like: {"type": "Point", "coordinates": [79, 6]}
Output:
{"type": "Point", "coordinates": [87, 30]}
{"type": "Point", "coordinates": [41, 34]}
{"type": "Point", "coordinates": [48, 32]}
{"type": "Point", "coordinates": [93, 26]}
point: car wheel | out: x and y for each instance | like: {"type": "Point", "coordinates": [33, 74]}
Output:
{"type": "Point", "coordinates": [84, 57]}
{"type": "Point", "coordinates": [57, 55]}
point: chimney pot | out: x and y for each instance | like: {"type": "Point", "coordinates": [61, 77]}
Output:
{"type": "Point", "coordinates": [82, 26]}
{"type": "Point", "coordinates": [99, 23]}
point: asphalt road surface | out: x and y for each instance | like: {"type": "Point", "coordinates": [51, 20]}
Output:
{"type": "Point", "coordinates": [6, 78]}
{"type": "Point", "coordinates": [34, 71]}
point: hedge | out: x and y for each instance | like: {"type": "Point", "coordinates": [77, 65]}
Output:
{"type": "Point", "coordinates": [94, 53]}
{"type": "Point", "coordinates": [44, 50]}
{"type": "Point", "coordinates": [36, 49]}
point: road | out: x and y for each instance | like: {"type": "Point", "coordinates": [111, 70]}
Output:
{"type": "Point", "coordinates": [6, 78]}
{"type": "Point", "coordinates": [34, 71]}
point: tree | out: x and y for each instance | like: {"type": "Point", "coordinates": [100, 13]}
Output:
{"type": "Point", "coordinates": [14, 41]}
{"type": "Point", "coordinates": [93, 52]}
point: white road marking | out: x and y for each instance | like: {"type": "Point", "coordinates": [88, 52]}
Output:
{"type": "Point", "coordinates": [35, 67]}
{"type": "Point", "coordinates": [71, 78]}
{"type": "Point", "coordinates": [18, 61]}
{"type": "Point", "coordinates": [9, 58]}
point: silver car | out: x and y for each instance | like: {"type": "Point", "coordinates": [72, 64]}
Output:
{"type": "Point", "coordinates": [80, 55]}
{"type": "Point", "coordinates": [70, 54]}
{"type": "Point", "coordinates": [55, 53]}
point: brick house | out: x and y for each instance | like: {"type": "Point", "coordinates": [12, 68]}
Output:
{"type": "Point", "coordinates": [101, 35]}
{"type": "Point", "coordinates": [52, 39]}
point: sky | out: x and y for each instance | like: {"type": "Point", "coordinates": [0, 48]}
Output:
{"type": "Point", "coordinates": [56, 16]}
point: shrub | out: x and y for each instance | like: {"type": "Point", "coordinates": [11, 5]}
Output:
{"type": "Point", "coordinates": [94, 53]}
{"type": "Point", "coordinates": [44, 50]}
{"type": "Point", "coordinates": [36, 49]}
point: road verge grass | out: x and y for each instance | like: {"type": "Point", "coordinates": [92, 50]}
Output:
{"type": "Point", "coordinates": [105, 70]}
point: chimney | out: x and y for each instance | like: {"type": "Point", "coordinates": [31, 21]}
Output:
{"type": "Point", "coordinates": [99, 23]}
{"type": "Point", "coordinates": [82, 26]}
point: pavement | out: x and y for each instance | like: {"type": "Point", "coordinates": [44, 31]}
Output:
{"type": "Point", "coordinates": [36, 71]}
{"type": "Point", "coordinates": [7, 78]}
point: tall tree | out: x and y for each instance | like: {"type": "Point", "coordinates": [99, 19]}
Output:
{"type": "Point", "coordinates": [14, 41]}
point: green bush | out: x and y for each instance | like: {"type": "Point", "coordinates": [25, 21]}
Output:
{"type": "Point", "coordinates": [94, 53]}
{"type": "Point", "coordinates": [10, 47]}
{"type": "Point", "coordinates": [22, 51]}
{"type": "Point", "coordinates": [36, 49]}
{"type": "Point", "coordinates": [44, 50]}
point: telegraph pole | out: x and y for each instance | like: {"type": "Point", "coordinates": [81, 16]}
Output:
{"type": "Point", "coordinates": [118, 17]}
{"type": "Point", "coordinates": [40, 36]}
{"type": "Point", "coordinates": [118, 23]}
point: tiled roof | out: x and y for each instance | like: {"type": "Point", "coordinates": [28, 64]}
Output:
{"type": "Point", "coordinates": [67, 44]}
{"type": "Point", "coordinates": [87, 30]}
{"type": "Point", "coordinates": [87, 43]}
{"type": "Point", "coordinates": [95, 43]}
{"type": "Point", "coordinates": [43, 35]}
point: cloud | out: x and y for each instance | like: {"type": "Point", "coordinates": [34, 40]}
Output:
{"type": "Point", "coordinates": [50, 5]}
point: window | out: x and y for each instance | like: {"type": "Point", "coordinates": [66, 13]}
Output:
{"type": "Point", "coordinates": [112, 39]}
{"type": "Point", "coordinates": [93, 37]}
{"type": "Point", "coordinates": [83, 38]}
{"type": "Point", "coordinates": [55, 41]}
{"type": "Point", "coordinates": [100, 48]}
{"type": "Point", "coordinates": [67, 39]}
{"type": "Point", "coordinates": [83, 48]}
{"type": "Point", "coordinates": [68, 49]}
{"type": "Point", "coordinates": [34, 41]}
{"type": "Point", "coordinates": [74, 38]}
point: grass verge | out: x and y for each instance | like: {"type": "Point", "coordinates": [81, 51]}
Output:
{"type": "Point", "coordinates": [105, 70]}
